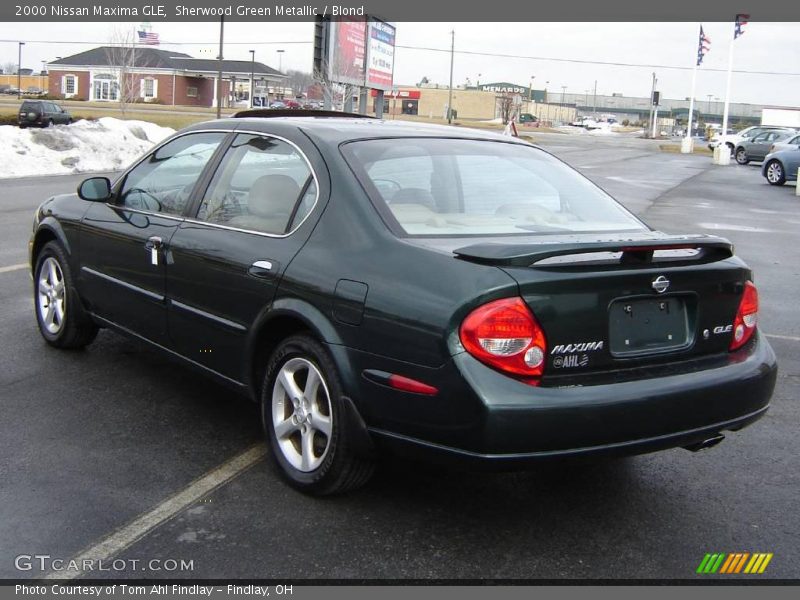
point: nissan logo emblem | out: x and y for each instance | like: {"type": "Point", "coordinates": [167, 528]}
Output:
{"type": "Point", "coordinates": [660, 284]}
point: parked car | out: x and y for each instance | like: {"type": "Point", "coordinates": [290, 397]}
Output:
{"type": "Point", "coordinates": [781, 166]}
{"type": "Point", "coordinates": [757, 147]}
{"type": "Point", "coordinates": [529, 120]}
{"type": "Point", "coordinates": [788, 144]}
{"type": "Point", "coordinates": [386, 287]}
{"type": "Point", "coordinates": [42, 113]}
{"type": "Point", "coordinates": [733, 140]}
{"type": "Point", "coordinates": [277, 105]}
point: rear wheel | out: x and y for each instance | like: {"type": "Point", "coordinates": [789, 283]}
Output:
{"type": "Point", "coordinates": [775, 174]}
{"type": "Point", "coordinates": [62, 321]}
{"type": "Point", "coordinates": [741, 156]}
{"type": "Point", "coordinates": [304, 418]}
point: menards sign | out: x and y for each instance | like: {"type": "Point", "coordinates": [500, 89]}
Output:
{"type": "Point", "coordinates": [504, 88]}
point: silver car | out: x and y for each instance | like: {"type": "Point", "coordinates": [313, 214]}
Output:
{"type": "Point", "coordinates": [781, 166]}
{"type": "Point", "coordinates": [758, 146]}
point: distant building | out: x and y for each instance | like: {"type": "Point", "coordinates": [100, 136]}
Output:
{"type": "Point", "coordinates": [154, 75]}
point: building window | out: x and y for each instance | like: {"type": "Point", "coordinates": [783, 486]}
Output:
{"type": "Point", "coordinates": [149, 88]}
{"type": "Point", "coordinates": [105, 87]}
{"type": "Point", "coordinates": [191, 92]}
{"type": "Point", "coordinates": [70, 85]}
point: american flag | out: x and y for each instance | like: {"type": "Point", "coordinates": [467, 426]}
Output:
{"type": "Point", "coordinates": [741, 21]}
{"type": "Point", "coordinates": [148, 38]}
{"type": "Point", "coordinates": [703, 46]}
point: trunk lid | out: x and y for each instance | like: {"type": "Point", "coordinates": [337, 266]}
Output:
{"type": "Point", "coordinates": [613, 303]}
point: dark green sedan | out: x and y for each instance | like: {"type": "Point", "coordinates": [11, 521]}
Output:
{"type": "Point", "coordinates": [389, 288]}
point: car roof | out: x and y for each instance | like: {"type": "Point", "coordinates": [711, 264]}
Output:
{"type": "Point", "coordinates": [336, 130]}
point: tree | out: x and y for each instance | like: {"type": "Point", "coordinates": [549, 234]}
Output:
{"type": "Point", "coordinates": [508, 107]}
{"type": "Point", "coordinates": [9, 68]}
{"type": "Point", "coordinates": [299, 81]}
{"type": "Point", "coordinates": [121, 58]}
{"type": "Point", "coordinates": [333, 88]}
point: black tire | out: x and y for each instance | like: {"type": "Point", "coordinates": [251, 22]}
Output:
{"type": "Point", "coordinates": [775, 173]}
{"type": "Point", "coordinates": [341, 469]}
{"type": "Point", "coordinates": [741, 156]}
{"type": "Point", "coordinates": [76, 329]}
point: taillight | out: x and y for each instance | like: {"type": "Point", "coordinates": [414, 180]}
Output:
{"type": "Point", "coordinates": [746, 317]}
{"type": "Point", "coordinates": [505, 335]}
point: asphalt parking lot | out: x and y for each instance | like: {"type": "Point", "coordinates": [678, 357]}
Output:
{"type": "Point", "coordinates": [91, 440]}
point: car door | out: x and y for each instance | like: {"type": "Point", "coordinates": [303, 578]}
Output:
{"type": "Point", "coordinates": [228, 260]}
{"type": "Point", "coordinates": [123, 242]}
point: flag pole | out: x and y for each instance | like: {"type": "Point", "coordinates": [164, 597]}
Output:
{"type": "Point", "coordinates": [687, 145]}
{"type": "Point", "coordinates": [720, 157]}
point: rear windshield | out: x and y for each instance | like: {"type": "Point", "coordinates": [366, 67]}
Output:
{"type": "Point", "coordinates": [28, 105]}
{"type": "Point", "coordinates": [441, 186]}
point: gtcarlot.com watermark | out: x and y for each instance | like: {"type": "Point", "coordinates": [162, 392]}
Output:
{"type": "Point", "coordinates": [48, 564]}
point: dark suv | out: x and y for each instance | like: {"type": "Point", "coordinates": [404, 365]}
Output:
{"type": "Point", "coordinates": [42, 113]}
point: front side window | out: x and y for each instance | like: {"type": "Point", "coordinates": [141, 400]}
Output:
{"type": "Point", "coordinates": [163, 182]}
{"type": "Point", "coordinates": [436, 186]}
{"type": "Point", "coordinates": [263, 184]}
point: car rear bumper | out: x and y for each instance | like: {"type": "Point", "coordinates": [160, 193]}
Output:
{"type": "Point", "coordinates": [519, 424]}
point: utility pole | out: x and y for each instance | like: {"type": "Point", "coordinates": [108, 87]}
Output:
{"type": "Point", "coordinates": [594, 105]}
{"type": "Point", "coordinates": [219, 74]}
{"type": "Point", "coordinates": [652, 93]}
{"type": "Point", "coordinates": [19, 71]}
{"type": "Point", "coordinates": [450, 95]}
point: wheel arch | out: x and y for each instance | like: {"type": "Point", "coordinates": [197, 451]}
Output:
{"type": "Point", "coordinates": [286, 317]}
{"type": "Point", "coordinates": [49, 230]}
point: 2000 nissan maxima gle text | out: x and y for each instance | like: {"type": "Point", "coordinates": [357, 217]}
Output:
{"type": "Point", "coordinates": [421, 290]}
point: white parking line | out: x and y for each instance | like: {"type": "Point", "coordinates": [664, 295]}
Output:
{"type": "Point", "coordinates": [142, 525]}
{"type": "Point", "coordinates": [791, 338]}
{"type": "Point", "coordinates": [10, 268]}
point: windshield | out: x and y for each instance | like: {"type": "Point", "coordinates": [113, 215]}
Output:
{"type": "Point", "coordinates": [441, 186]}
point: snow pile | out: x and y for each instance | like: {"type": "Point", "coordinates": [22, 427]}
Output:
{"type": "Point", "coordinates": [107, 144]}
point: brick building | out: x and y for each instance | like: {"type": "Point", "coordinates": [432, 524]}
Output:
{"type": "Point", "coordinates": [154, 75]}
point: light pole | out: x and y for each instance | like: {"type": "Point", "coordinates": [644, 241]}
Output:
{"type": "Point", "coordinates": [252, 76]}
{"type": "Point", "coordinates": [450, 93]}
{"type": "Point", "coordinates": [280, 70]}
{"type": "Point", "coordinates": [478, 83]}
{"type": "Point", "coordinates": [19, 71]}
{"type": "Point", "coordinates": [530, 99]}
{"type": "Point", "coordinates": [562, 112]}
{"type": "Point", "coordinates": [709, 96]}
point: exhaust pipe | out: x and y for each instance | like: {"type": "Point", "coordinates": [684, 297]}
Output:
{"type": "Point", "coordinates": [708, 443]}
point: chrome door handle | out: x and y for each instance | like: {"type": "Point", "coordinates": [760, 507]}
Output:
{"type": "Point", "coordinates": [262, 268]}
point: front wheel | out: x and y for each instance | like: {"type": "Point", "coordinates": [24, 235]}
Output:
{"type": "Point", "coordinates": [775, 174]}
{"type": "Point", "coordinates": [62, 320]}
{"type": "Point", "coordinates": [304, 417]}
{"type": "Point", "coordinates": [741, 156]}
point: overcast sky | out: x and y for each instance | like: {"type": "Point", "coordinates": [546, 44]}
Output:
{"type": "Point", "coordinates": [764, 47]}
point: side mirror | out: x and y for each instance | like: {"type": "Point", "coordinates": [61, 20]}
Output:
{"type": "Point", "coordinates": [95, 189]}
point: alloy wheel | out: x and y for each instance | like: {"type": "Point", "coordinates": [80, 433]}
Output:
{"type": "Point", "coordinates": [301, 414]}
{"type": "Point", "coordinates": [51, 295]}
{"type": "Point", "coordinates": [774, 172]}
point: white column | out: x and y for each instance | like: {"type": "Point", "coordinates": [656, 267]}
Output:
{"type": "Point", "coordinates": [214, 101]}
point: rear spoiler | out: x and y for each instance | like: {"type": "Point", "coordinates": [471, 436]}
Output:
{"type": "Point", "coordinates": [709, 249]}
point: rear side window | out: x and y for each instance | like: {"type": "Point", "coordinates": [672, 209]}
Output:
{"type": "Point", "coordinates": [30, 107]}
{"type": "Point", "coordinates": [163, 182]}
{"type": "Point", "coordinates": [263, 184]}
{"type": "Point", "coordinates": [454, 187]}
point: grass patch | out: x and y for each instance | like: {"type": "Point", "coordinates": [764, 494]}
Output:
{"type": "Point", "coordinates": [676, 149]}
